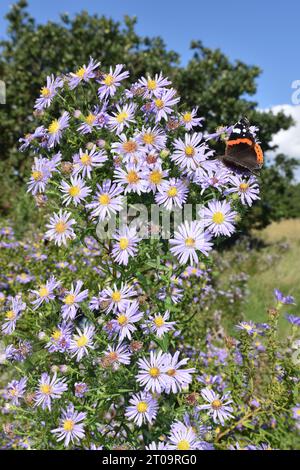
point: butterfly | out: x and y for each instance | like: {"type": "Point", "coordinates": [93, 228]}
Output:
{"type": "Point", "coordinates": [242, 151]}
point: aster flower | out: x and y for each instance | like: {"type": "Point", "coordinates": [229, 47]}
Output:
{"type": "Point", "coordinates": [15, 390]}
{"type": "Point", "coordinates": [122, 117]}
{"type": "Point", "coordinates": [131, 178]}
{"type": "Point", "coordinates": [159, 323]}
{"type": "Point", "coordinates": [172, 193]}
{"type": "Point", "coordinates": [183, 437]}
{"type": "Point", "coordinates": [72, 299]}
{"type": "Point", "coordinates": [45, 293]}
{"type": "Point", "coordinates": [293, 319]}
{"type": "Point", "coordinates": [129, 148]}
{"type": "Point", "coordinates": [117, 299]}
{"type": "Point", "coordinates": [126, 319]}
{"type": "Point", "coordinates": [217, 178]}
{"type": "Point", "coordinates": [281, 299]}
{"type": "Point", "coordinates": [153, 86]}
{"type": "Point", "coordinates": [142, 409]}
{"type": "Point", "coordinates": [219, 406]}
{"type": "Point", "coordinates": [190, 153]}
{"type": "Point", "coordinates": [96, 118]}
{"type": "Point", "coordinates": [60, 228]}
{"type": "Point", "coordinates": [39, 133]}
{"type": "Point", "coordinates": [84, 73]}
{"type": "Point", "coordinates": [82, 342]}
{"type": "Point", "coordinates": [111, 81]}
{"type": "Point", "coordinates": [247, 326]}
{"type": "Point", "coordinates": [17, 306]}
{"type": "Point", "coordinates": [40, 175]}
{"type": "Point", "coordinates": [157, 446]}
{"type": "Point", "coordinates": [87, 160]}
{"type": "Point", "coordinates": [116, 355]}
{"type": "Point", "coordinates": [189, 119]}
{"type": "Point", "coordinates": [71, 428]}
{"type": "Point", "coordinates": [152, 138]}
{"type": "Point", "coordinates": [125, 245]}
{"type": "Point", "coordinates": [296, 412]}
{"type": "Point", "coordinates": [24, 278]}
{"type": "Point", "coordinates": [162, 105]}
{"type": "Point", "coordinates": [107, 200]}
{"type": "Point", "coordinates": [60, 338]}
{"type": "Point", "coordinates": [48, 92]}
{"type": "Point", "coordinates": [247, 189]}
{"type": "Point", "coordinates": [56, 127]}
{"type": "Point", "coordinates": [75, 191]}
{"type": "Point", "coordinates": [81, 389]}
{"type": "Point", "coordinates": [178, 378]}
{"type": "Point", "coordinates": [219, 218]}
{"type": "Point", "coordinates": [188, 238]}
{"type": "Point", "coordinates": [49, 389]}
{"type": "Point", "coordinates": [154, 177]}
{"type": "Point", "coordinates": [152, 373]}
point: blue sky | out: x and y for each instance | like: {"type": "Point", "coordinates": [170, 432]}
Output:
{"type": "Point", "coordinates": [264, 33]}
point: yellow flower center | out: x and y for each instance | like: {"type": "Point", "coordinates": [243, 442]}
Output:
{"type": "Point", "coordinates": [216, 404]}
{"type": "Point", "coordinates": [155, 177]}
{"type": "Point", "coordinates": [82, 341]}
{"type": "Point", "coordinates": [151, 84]}
{"type": "Point", "coordinates": [80, 72]}
{"type": "Point", "coordinates": [190, 242]}
{"type": "Point", "coordinates": [104, 199]}
{"type": "Point", "coordinates": [218, 218]}
{"type": "Point", "coordinates": [159, 321]}
{"type": "Point", "coordinates": [244, 187]}
{"type": "Point", "coordinates": [109, 80]}
{"type": "Point", "coordinates": [45, 92]}
{"type": "Point", "coordinates": [69, 425]}
{"type": "Point", "coordinates": [45, 388]}
{"type": "Point", "coordinates": [189, 151]}
{"type": "Point", "coordinates": [172, 192]}
{"type": "Point", "coordinates": [132, 177]}
{"type": "Point", "coordinates": [130, 146]}
{"type": "Point", "coordinates": [154, 371]}
{"type": "Point", "coordinates": [90, 119]}
{"type": "Point", "coordinates": [187, 117]}
{"type": "Point", "coordinates": [298, 412]}
{"type": "Point", "coordinates": [159, 103]}
{"type": "Point", "coordinates": [54, 127]}
{"type": "Point", "coordinates": [85, 159]}
{"type": "Point", "coordinates": [123, 243]}
{"type": "Point", "coordinates": [37, 175]}
{"type": "Point", "coordinates": [69, 299]}
{"type": "Point", "coordinates": [60, 227]}
{"type": "Point", "coordinates": [74, 191]}
{"type": "Point", "coordinates": [113, 356]}
{"type": "Point", "coordinates": [43, 292]}
{"type": "Point", "coordinates": [121, 117]}
{"type": "Point", "coordinates": [148, 138]}
{"type": "Point", "coordinates": [10, 315]}
{"type": "Point", "coordinates": [56, 334]}
{"type": "Point", "coordinates": [116, 296]}
{"type": "Point", "coordinates": [171, 372]}
{"type": "Point", "coordinates": [142, 407]}
{"type": "Point", "coordinates": [183, 445]}
{"type": "Point", "coordinates": [122, 320]}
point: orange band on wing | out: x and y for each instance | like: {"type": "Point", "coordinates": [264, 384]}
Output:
{"type": "Point", "coordinates": [239, 141]}
{"type": "Point", "coordinates": [259, 154]}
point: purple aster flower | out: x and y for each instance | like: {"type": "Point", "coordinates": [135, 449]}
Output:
{"type": "Point", "coordinates": [49, 389]}
{"type": "Point", "coordinates": [95, 119]}
{"type": "Point", "coordinates": [48, 92]}
{"type": "Point", "coordinates": [247, 326]}
{"type": "Point", "coordinates": [60, 338]}
{"type": "Point", "coordinates": [116, 355]}
{"type": "Point", "coordinates": [107, 200]}
{"type": "Point", "coordinates": [183, 437]}
{"type": "Point", "coordinates": [45, 293]}
{"type": "Point", "coordinates": [71, 428]}
{"type": "Point", "coordinates": [152, 138]}
{"type": "Point", "coordinates": [39, 133]}
{"type": "Point", "coordinates": [172, 193]}
{"type": "Point", "coordinates": [152, 373]}
{"type": "Point", "coordinates": [155, 177]}
{"type": "Point", "coordinates": [296, 412]}
{"type": "Point", "coordinates": [129, 148]}
{"type": "Point", "coordinates": [81, 389]}
{"type": "Point", "coordinates": [219, 218]}
{"type": "Point", "coordinates": [72, 299]}
{"type": "Point", "coordinates": [214, 178]}
{"type": "Point", "coordinates": [117, 299]}
{"type": "Point", "coordinates": [122, 117]}
{"type": "Point", "coordinates": [219, 406]}
{"type": "Point", "coordinates": [82, 342]}
{"type": "Point", "coordinates": [41, 172]}
{"type": "Point", "coordinates": [178, 378]}
{"type": "Point", "coordinates": [84, 73]}
{"type": "Point", "coordinates": [131, 178]}
{"type": "Point", "coordinates": [111, 81]}
{"type": "Point", "coordinates": [188, 238]}
{"type": "Point", "coordinates": [189, 154]}
{"type": "Point", "coordinates": [157, 446]}
{"type": "Point", "coordinates": [15, 390]}
{"type": "Point", "coordinates": [159, 323]}
{"type": "Point", "coordinates": [60, 228]}
{"type": "Point", "coordinates": [17, 306]}
{"type": "Point", "coordinates": [162, 105]}
{"type": "Point", "coordinates": [56, 127]}
{"type": "Point", "coordinates": [125, 245]}
{"type": "Point", "coordinates": [293, 319]}
{"type": "Point", "coordinates": [142, 409]}
{"type": "Point", "coordinates": [126, 319]}
{"type": "Point", "coordinates": [286, 300]}
{"type": "Point", "coordinates": [75, 191]}
{"type": "Point", "coordinates": [247, 189]}
{"type": "Point", "coordinates": [24, 278]}
{"type": "Point", "coordinates": [153, 86]}
{"type": "Point", "coordinates": [86, 161]}
{"type": "Point", "coordinates": [189, 119]}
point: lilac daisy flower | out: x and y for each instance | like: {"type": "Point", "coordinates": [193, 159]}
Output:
{"type": "Point", "coordinates": [152, 138]}
{"type": "Point", "coordinates": [152, 372]}
{"type": "Point", "coordinates": [247, 326]}
{"type": "Point", "coordinates": [60, 338]}
{"type": "Point", "coordinates": [122, 117]}
{"type": "Point", "coordinates": [15, 390]}
{"type": "Point", "coordinates": [111, 81]}
{"type": "Point", "coordinates": [125, 245]}
{"type": "Point", "coordinates": [281, 299]}
{"type": "Point", "coordinates": [117, 299]}
{"type": "Point", "coordinates": [39, 133]}
{"type": "Point", "coordinates": [82, 342]}
{"type": "Point", "coordinates": [162, 105]}
{"type": "Point", "coordinates": [97, 118]}
{"type": "Point", "coordinates": [296, 412]}
{"type": "Point", "coordinates": [48, 92]}
{"type": "Point", "coordinates": [132, 178]}
{"type": "Point", "coordinates": [183, 437]}
{"type": "Point", "coordinates": [84, 73]}
{"type": "Point", "coordinates": [107, 200]}
{"type": "Point", "coordinates": [75, 191]}
{"type": "Point", "coordinates": [86, 161]}
{"type": "Point", "coordinates": [116, 355]}
{"type": "Point", "coordinates": [178, 378]}
{"type": "Point", "coordinates": [71, 428]}
{"type": "Point", "coordinates": [40, 175]}
{"type": "Point", "coordinates": [153, 86]}
{"type": "Point", "coordinates": [190, 153]}
{"type": "Point", "coordinates": [72, 300]}
{"type": "Point", "coordinates": [45, 293]}
{"type": "Point", "coordinates": [157, 446]}
{"type": "Point", "coordinates": [81, 389]}
{"type": "Point", "coordinates": [60, 228]}
{"type": "Point", "coordinates": [17, 306]}
{"type": "Point", "coordinates": [216, 178]}
{"type": "Point", "coordinates": [130, 149]}
{"type": "Point", "coordinates": [155, 177]}
{"type": "Point", "coordinates": [219, 406]}
{"type": "Point", "coordinates": [56, 127]}
{"type": "Point", "coordinates": [159, 323]}
{"type": "Point", "coordinates": [189, 119]}
{"type": "Point", "coordinates": [247, 189]}
{"type": "Point", "coordinates": [219, 218]}
{"type": "Point", "coordinates": [125, 320]}
{"type": "Point", "coordinates": [293, 319]}
{"type": "Point", "coordinates": [188, 238]}
{"type": "Point", "coordinates": [49, 389]}
{"type": "Point", "coordinates": [172, 193]}
{"type": "Point", "coordinates": [142, 409]}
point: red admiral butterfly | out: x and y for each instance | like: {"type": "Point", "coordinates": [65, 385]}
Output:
{"type": "Point", "coordinates": [242, 151]}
